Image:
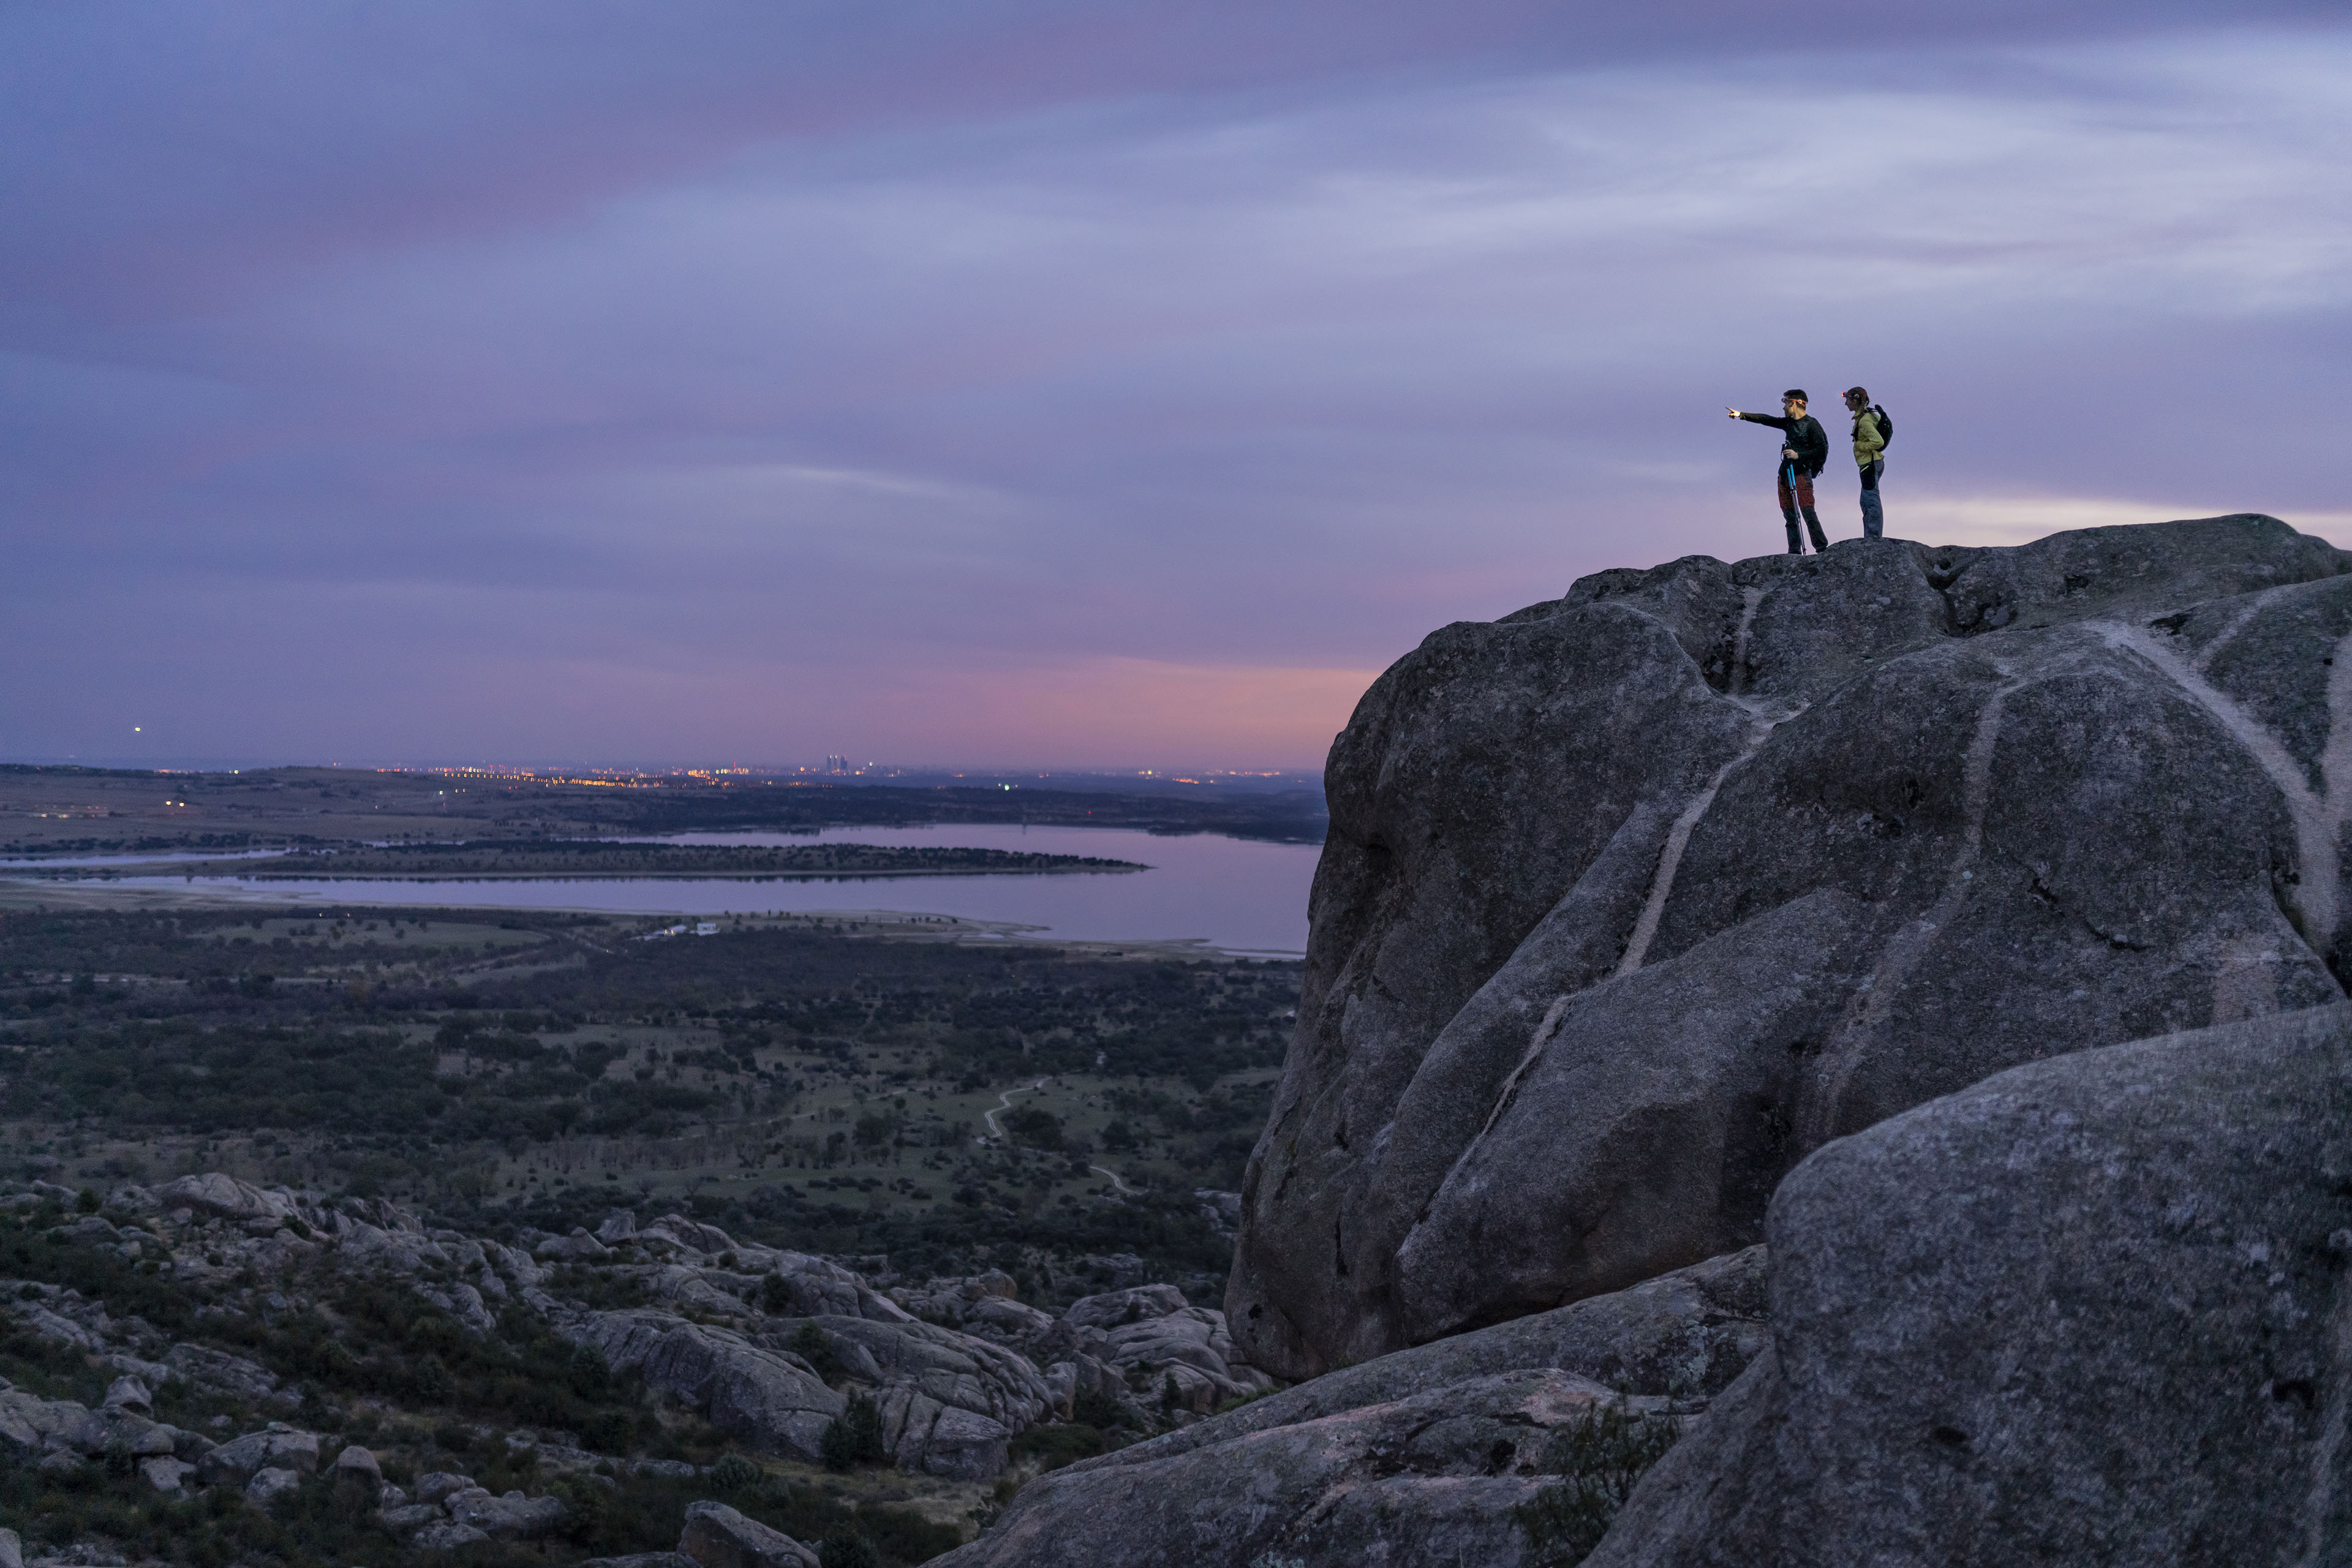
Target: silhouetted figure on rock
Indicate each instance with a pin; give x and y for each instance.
(1871, 429)
(1802, 454)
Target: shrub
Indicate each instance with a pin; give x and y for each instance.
(1033, 1128)
(1598, 1460)
(811, 1345)
(855, 1436)
(1058, 1443)
(609, 1431)
(592, 1375)
(734, 1473)
(428, 1379)
(847, 1549)
(1093, 1408)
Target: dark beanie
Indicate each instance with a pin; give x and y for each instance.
(1797, 392)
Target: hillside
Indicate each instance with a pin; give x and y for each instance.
(210, 1370)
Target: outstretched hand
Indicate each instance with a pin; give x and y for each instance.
(1733, 412)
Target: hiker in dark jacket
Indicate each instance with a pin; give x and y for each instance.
(1870, 456)
(1804, 453)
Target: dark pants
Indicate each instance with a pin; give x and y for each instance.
(1874, 516)
(1797, 493)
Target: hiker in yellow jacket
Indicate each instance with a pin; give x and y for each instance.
(1871, 429)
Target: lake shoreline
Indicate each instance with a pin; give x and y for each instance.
(120, 873)
(1230, 895)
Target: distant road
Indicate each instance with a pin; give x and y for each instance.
(1004, 1103)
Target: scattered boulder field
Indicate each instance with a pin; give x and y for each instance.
(771, 1348)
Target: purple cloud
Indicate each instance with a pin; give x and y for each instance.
(976, 382)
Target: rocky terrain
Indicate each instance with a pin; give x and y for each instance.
(1475, 1449)
(1634, 899)
(1829, 1061)
(1812, 1062)
(2095, 1309)
(313, 1356)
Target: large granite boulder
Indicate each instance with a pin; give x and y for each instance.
(984, 1304)
(218, 1371)
(61, 1425)
(279, 1446)
(2093, 1310)
(1147, 1337)
(717, 1536)
(1634, 898)
(37, 1425)
(771, 1401)
(512, 1517)
(949, 1403)
(225, 1197)
(1416, 1456)
(1436, 1479)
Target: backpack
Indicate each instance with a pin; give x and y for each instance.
(1886, 425)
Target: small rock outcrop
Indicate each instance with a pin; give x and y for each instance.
(447, 1536)
(358, 1475)
(717, 1536)
(773, 1403)
(509, 1517)
(1434, 1478)
(2094, 1310)
(220, 1372)
(949, 1403)
(165, 1475)
(1421, 1455)
(1634, 899)
(279, 1448)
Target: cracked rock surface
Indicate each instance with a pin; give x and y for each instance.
(2092, 1311)
(1418, 1456)
(1431, 1477)
(1634, 899)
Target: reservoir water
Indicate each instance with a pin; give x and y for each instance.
(1237, 895)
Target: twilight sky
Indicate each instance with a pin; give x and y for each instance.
(1106, 384)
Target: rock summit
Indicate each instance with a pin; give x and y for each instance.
(1635, 897)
